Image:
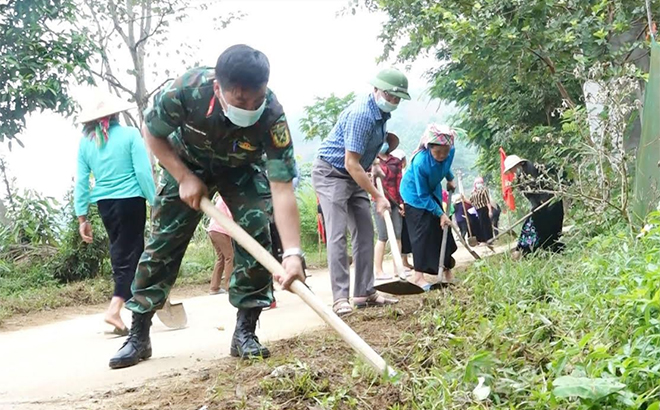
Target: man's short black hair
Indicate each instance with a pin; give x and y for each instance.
(242, 66)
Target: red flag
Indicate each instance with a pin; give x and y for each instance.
(507, 180)
(320, 225)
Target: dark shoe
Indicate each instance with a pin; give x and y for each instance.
(245, 344)
(138, 345)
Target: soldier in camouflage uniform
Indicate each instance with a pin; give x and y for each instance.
(210, 130)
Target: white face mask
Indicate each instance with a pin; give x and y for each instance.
(239, 116)
(385, 105)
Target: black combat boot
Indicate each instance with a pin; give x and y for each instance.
(245, 344)
(138, 345)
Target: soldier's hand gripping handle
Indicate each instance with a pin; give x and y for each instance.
(293, 267)
(192, 190)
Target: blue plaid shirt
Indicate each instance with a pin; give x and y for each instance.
(361, 128)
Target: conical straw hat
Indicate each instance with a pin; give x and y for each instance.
(101, 105)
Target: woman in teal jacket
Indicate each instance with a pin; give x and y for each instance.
(116, 157)
(421, 190)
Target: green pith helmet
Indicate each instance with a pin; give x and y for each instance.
(393, 81)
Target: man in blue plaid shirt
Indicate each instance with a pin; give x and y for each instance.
(339, 176)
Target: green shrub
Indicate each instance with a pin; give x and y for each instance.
(307, 207)
(77, 260)
(33, 220)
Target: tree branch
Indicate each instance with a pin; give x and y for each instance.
(115, 20)
(131, 21)
(114, 82)
(639, 36)
(143, 14)
(553, 71)
(3, 168)
(130, 120)
(155, 90)
(148, 35)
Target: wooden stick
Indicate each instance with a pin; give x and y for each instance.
(391, 235)
(465, 213)
(460, 237)
(445, 232)
(269, 262)
(519, 221)
(443, 247)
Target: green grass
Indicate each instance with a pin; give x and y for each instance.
(47, 294)
(580, 330)
(588, 315)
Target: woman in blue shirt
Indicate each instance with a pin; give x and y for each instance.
(116, 157)
(421, 190)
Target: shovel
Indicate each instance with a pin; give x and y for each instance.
(460, 238)
(443, 247)
(472, 240)
(268, 261)
(443, 252)
(396, 286)
(173, 315)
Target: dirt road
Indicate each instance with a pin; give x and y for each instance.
(45, 366)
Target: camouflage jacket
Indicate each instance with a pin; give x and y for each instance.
(187, 112)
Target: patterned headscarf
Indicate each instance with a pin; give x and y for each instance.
(97, 130)
(436, 134)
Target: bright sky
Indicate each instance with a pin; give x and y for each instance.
(312, 53)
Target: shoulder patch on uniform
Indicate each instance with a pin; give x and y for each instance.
(280, 135)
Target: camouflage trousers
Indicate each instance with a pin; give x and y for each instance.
(246, 192)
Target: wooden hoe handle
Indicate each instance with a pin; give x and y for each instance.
(269, 262)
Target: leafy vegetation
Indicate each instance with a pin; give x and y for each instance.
(510, 64)
(45, 265)
(34, 220)
(322, 116)
(40, 52)
(75, 259)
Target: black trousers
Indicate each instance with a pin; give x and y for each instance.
(463, 226)
(426, 239)
(485, 227)
(124, 220)
(497, 211)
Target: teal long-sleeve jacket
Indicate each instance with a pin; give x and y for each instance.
(121, 169)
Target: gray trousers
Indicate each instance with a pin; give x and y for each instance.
(345, 205)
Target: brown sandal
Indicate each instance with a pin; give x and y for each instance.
(375, 299)
(341, 307)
